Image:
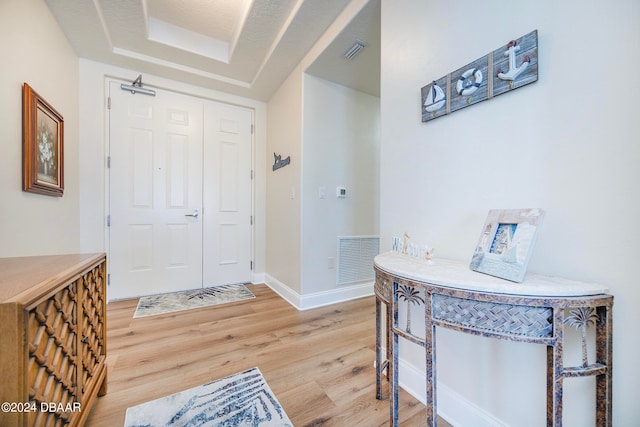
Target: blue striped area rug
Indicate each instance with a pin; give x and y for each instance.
(239, 400)
(177, 301)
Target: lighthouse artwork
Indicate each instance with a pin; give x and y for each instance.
(506, 243)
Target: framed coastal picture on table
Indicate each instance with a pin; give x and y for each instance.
(506, 243)
(42, 145)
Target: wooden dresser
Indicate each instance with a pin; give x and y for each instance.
(53, 338)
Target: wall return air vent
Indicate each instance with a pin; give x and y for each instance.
(355, 259)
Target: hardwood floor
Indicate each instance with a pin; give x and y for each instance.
(319, 363)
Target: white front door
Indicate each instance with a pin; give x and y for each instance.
(155, 192)
(227, 196)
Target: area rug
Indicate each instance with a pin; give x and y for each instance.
(242, 399)
(197, 298)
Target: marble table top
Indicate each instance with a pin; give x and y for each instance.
(458, 275)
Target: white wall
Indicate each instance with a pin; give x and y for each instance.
(285, 137)
(341, 146)
(34, 50)
(93, 131)
(283, 185)
(567, 143)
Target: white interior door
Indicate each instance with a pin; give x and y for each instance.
(155, 193)
(227, 196)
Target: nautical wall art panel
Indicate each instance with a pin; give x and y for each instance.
(507, 68)
(434, 99)
(468, 84)
(515, 64)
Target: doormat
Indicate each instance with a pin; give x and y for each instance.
(239, 400)
(177, 301)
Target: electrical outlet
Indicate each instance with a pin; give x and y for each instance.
(331, 263)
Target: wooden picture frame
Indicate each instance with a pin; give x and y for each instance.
(42, 145)
(506, 243)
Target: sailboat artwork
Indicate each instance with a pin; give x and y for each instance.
(435, 98)
(507, 68)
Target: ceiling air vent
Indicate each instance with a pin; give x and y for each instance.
(354, 50)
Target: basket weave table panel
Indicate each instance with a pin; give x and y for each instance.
(493, 317)
(382, 288)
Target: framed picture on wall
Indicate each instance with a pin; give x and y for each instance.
(42, 145)
(506, 243)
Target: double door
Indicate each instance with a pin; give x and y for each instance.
(180, 190)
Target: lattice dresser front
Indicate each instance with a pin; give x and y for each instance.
(53, 352)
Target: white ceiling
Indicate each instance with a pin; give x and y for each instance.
(244, 47)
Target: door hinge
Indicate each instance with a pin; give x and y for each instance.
(251, 220)
(251, 265)
(108, 162)
(109, 103)
(252, 129)
(251, 173)
(108, 220)
(108, 279)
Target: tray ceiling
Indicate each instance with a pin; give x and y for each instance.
(245, 47)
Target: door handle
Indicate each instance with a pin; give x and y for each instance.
(194, 214)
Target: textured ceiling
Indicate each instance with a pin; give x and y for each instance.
(245, 47)
(197, 15)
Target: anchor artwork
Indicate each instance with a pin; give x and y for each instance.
(507, 68)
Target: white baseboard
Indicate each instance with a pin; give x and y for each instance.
(318, 299)
(344, 293)
(258, 278)
(451, 406)
(283, 290)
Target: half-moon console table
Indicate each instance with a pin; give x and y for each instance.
(455, 297)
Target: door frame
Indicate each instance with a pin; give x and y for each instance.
(107, 171)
